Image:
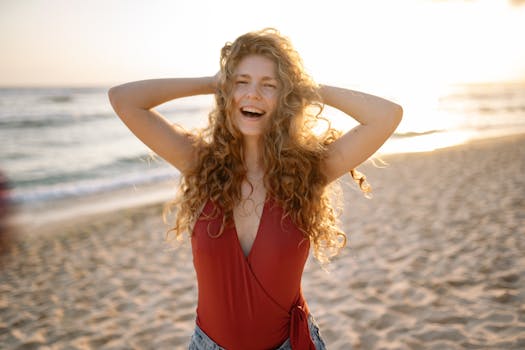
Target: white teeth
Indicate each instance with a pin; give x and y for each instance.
(252, 110)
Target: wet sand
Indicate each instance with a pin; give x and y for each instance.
(435, 260)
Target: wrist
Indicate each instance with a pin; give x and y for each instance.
(212, 82)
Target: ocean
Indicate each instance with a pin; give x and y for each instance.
(63, 143)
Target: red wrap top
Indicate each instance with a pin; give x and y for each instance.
(254, 301)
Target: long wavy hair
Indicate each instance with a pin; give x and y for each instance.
(292, 152)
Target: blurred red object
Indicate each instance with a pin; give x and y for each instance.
(5, 213)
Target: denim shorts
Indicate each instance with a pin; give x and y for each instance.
(200, 341)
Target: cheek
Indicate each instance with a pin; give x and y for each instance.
(237, 92)
(274, 102)
(236, 103)
(233, 105)
(235, 98)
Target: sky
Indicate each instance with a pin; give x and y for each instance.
(402, 43)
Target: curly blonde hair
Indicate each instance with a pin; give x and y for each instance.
(290, 148)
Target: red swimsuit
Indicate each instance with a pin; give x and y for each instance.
(254, 301)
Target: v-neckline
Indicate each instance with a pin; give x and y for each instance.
(257, 233)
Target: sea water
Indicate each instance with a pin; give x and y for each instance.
(60, 143)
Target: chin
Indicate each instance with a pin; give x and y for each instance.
(251, 128)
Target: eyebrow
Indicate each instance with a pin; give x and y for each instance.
(249, 77)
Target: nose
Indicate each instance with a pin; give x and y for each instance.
(253, 92)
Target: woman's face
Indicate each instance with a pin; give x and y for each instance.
(255, 94)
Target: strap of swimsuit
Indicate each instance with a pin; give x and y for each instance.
(300, 338)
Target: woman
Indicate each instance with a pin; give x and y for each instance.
(254, 185)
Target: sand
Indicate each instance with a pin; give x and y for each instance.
(436, 260)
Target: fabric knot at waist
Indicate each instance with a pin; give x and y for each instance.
(300, 338)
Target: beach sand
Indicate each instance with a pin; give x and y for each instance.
(435, 260)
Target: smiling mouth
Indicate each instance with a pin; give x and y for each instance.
(251, 112)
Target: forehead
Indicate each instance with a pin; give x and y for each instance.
(256, 66)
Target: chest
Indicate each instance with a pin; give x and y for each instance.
(247, 215)
(278, 245)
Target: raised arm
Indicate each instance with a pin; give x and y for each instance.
(377, 117)
(134, 103)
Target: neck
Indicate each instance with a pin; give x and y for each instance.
(253, 155)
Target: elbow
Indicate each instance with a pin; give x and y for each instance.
(392, 118)
(397, 115)
(113, 96)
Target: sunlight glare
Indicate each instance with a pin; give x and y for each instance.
(425, 143)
